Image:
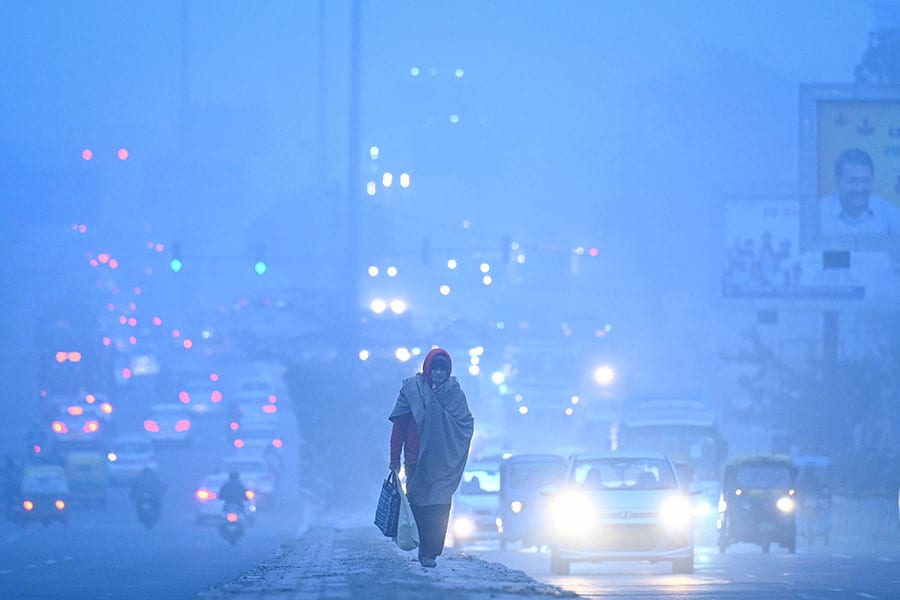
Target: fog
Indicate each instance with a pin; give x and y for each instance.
(528, 131)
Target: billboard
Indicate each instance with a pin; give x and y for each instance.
(850, 167)
(763, 258)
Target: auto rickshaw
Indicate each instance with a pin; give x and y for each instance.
(522, 506)
(758, 502)
(44, 496)
(87, 475)
(814, 498)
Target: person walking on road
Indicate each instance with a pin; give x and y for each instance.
(433, 427)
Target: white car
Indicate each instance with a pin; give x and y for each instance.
(621, 506)
(128, 456)
(476, 504)
(168, 423)
(209, 507)
(254, 472)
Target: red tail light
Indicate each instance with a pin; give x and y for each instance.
(151, 425)
(60, 427)
(91, 427)
(59, 504)
(277, 443)
(232, 517)
(28, 505)
(182, 425)
(216, 396)
(184, 397)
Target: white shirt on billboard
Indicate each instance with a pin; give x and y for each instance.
(881, 217)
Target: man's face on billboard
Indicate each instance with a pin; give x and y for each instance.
(854, 186)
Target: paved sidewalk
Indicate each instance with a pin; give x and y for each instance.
(358, 562)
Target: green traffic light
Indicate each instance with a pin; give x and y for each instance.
(260, 267)
(176, 265)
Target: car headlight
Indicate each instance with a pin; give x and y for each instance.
(676, 511)
(463, 527)
(572, 512)
(785, 504)
(515, 506)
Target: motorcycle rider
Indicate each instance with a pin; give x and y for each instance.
(233, 491)
(148, 486)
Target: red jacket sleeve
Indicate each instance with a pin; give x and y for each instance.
(405, 437)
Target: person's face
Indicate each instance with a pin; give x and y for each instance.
(439, 373)
(854, 186)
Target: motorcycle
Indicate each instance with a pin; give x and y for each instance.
(232, 526)
(148, 509)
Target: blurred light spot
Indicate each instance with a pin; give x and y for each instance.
(132, 340)
(604, 375)
(579, 250)
(404, 180)
(520, 258)
(370, 188)
(378, 306)
(466, 223)
(569, 411)
(106, 341)
(476, 351)
(391, 271)
(122, 154)
(113, 263)
(454, 119)
(593, 252)
(87, 154)
(364, 355)
(373, 271)
(176, 333)
(459, 73)
(157, 321)
(474, 370)
(475, 360)
(523, 410)
(402, 354)
(607, 328)
(398, 307)
(452, 264)
(103, 258)
(501, 325)
(414, 71)
(373, 152)
(487, 280)
(497, 377)
(574, 399)
(484, 267)
(444, 289)
(387, 179)
(187, 343)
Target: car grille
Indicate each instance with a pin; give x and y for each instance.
(626, 538)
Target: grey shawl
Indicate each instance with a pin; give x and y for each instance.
(445, 426)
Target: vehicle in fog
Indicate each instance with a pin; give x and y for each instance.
(77, 427)
(232, 521)
(687, 431)
(254, 473)
(207, 504)
(523, 509)
(168, 423)
(88, 477)
(476, 504)
(621, 506)
(758, 503)
(201, 395)
(44, 496)
(128, 456)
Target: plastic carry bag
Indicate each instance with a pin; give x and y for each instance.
(407, 532)
(388, 511)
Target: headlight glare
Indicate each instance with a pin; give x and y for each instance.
(572, 513)
(785, 504)
(676, 512)
(463, 527)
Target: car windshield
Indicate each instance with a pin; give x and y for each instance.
(763, 476)
(534, 475)
(479, 482)
(624, 474)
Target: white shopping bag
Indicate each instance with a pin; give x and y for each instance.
(407, 532)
